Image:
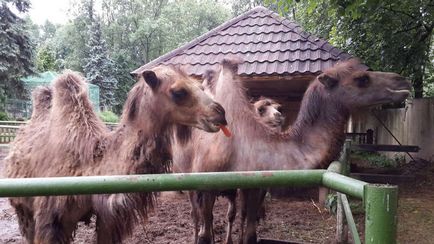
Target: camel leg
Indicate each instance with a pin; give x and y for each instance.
(253, 201)
(206, 205)
(52, 228)
(243, 202)
(104, 231)
(230, 216)
(25, 222)
(194, 213)
(56, 219)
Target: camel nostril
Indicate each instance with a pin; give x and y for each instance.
(218, 108)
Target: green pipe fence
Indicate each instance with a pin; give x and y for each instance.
(20, 187)
(380, 201)
(349, 217)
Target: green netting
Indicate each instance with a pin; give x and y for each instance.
(45, 79)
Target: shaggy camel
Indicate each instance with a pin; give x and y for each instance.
(65, 138)
(313, 141)
(270, 112)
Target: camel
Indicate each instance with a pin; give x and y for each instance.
(270, 112)
(313, 141)
(65, 138)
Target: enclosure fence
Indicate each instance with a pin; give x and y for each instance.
(379, 201)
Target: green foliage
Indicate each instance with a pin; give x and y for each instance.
(100, 68)
(16, 49)
(331, 203)
(376, 159)
(390, 35)
(125, 81)
(45, 59)
(108, 116)
(3, 116)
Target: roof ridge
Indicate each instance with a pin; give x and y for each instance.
(200, 38)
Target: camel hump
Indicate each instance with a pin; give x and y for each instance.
(70, 90)
(232, 63)
(69, 82)
(41, 97)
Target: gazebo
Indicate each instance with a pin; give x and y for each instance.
(280, 59)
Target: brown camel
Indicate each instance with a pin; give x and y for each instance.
(270, 112)
(65, 138)
(314, 140)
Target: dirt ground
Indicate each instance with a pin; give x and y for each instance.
(287, 219)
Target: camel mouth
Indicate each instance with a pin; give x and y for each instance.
(209, 126)
(399, 91)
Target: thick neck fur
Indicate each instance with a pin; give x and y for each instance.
(142, 137)
(313, 141)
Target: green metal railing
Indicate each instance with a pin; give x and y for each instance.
(380, 201)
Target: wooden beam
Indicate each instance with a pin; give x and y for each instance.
(385, 148)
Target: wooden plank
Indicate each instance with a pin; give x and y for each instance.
(274, 241)
(383, 178)
(385, 148)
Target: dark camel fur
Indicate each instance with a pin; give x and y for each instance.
(314, 140)
(65, 138)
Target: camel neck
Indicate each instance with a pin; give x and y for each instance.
(320, 126)
(313, 141)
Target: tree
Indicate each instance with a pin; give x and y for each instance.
(16, 48)
(45, 59)
(390, 35)
(183, 21)
(99, 68)
(141, 30)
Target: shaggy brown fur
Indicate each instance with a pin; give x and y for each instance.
(313, 141)
(66, 138)
(270, 112)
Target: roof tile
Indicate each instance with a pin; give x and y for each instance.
(268, 44)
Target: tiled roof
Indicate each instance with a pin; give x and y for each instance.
(268, 44)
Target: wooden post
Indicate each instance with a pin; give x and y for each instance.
(370, 136)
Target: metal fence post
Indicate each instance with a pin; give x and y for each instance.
(381, 202)
(341, 226)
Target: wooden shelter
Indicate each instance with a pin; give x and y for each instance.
(280, 59)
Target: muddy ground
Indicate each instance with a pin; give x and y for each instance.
(287, 219)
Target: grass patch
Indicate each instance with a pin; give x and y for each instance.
(377, 160)
(108, 116)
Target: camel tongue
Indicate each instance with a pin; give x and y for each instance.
(226, 131)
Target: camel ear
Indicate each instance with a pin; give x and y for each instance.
(151, 79)
(327, 81)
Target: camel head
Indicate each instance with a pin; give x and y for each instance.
(354, 86)
(181, 100)
(269, 111)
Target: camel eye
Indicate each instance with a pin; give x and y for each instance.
(179, 95)
(261, 111)
(362, 81)
(279, 109)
